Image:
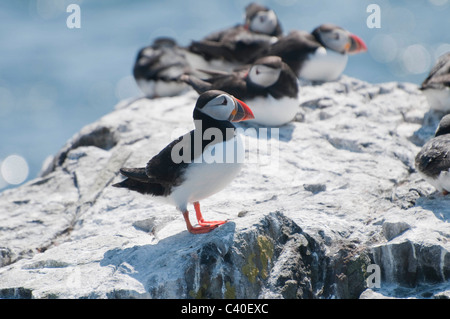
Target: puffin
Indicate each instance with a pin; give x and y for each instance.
(320, 55)
(433, 160)
(227, 49)
(196, 165)
(269, 85)
(158, 67)
(436, 86)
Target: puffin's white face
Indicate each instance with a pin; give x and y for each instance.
(220, 107)
(337, 39)
(225, 107)
(263, 75)
(264, 22)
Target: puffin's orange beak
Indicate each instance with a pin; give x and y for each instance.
(241, 112)
(357, 45)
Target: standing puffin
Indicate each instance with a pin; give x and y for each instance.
(436, 86)
(318, 56)
(193, 167)
(433, 160)
(158, 67)
(226, 49)
(269, 85)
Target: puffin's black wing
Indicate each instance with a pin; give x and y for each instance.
(287, 84)
(434, 157)
(162, 171)
(211, 50)
(233, 83)
(249, 45)
(437, 82)
(137, 181)
(168, 166)
(236, 45)
(146, 60)
(439, 76)
(219, 45)
(293, 48)
(152, 63)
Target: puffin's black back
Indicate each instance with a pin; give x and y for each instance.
(434, 156)
(439, 76)
(293, 48)
(152, 61)
(444, 126)
(235, 45)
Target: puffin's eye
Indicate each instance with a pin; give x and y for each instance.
(224, 102)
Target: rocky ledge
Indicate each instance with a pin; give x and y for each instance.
(338, 212)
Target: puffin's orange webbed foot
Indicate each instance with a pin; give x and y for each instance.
(203, 222)
(202, 229)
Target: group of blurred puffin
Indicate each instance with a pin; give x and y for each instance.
(252, 63)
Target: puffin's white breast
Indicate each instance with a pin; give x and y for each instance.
(272, 112)
(438, 100)
(210, 173)
(323, 65)
(441, 183)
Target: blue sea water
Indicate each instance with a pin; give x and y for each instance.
(54, 80)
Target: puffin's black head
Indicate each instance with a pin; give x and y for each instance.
(338, 39)
(444, 126)
(262, 20)
(266, 71)
(222, 106)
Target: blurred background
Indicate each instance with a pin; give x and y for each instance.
(55, 80)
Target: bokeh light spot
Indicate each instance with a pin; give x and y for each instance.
(14, 169)
(416, 59)
(442, 49)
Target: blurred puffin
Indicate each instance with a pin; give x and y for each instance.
(158, 67)
(318, 56)
(226, 49)
(269, 85)
(433, 160)
(436, 86)
(185, 171)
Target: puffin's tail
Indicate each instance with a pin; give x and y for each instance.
(137, 180)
